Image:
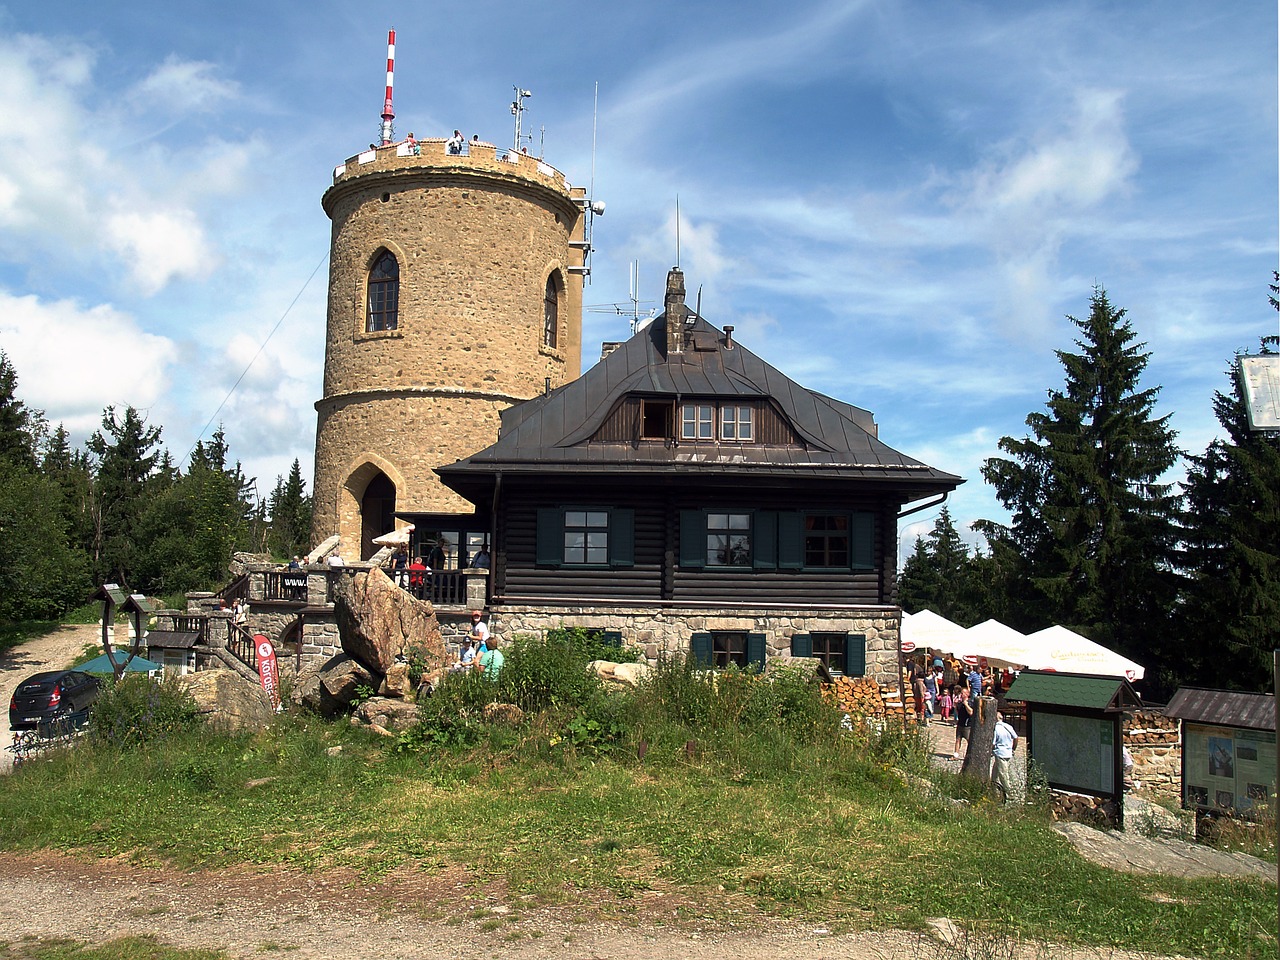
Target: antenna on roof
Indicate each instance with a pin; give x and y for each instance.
(517, 111)
(388, 114)
(677, 231)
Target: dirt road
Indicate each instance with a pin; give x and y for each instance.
(408, 915)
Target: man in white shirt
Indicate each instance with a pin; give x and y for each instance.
(1002, 747)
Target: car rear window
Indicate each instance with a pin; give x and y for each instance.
(36, 686)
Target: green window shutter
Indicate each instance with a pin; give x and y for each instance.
(700, 650)
(855, 655)
(790, 541)
(693, 539)
(622, 537)
(764, 540)
(755, 650)
(801, 645)
(864, 544)
(549, 551)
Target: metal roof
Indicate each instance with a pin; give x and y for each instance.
(1086, 690)
(550, 433)
(1224, 708)
(171, 639)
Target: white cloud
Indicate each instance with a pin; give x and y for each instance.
(184, 86)
(72, 361)
(89, 192)
(157, 247)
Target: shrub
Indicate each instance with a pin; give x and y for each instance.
(137, 709)
(550, 671)
(588, 645)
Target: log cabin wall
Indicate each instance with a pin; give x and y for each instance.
(655, 573)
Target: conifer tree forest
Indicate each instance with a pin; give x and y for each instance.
(120, 510)
(1182, 576)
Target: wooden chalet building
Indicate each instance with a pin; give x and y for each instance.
(691, 498)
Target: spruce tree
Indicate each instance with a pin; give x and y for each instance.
(125, 457)
(1092, 541)
(937, 575)
(1230, 619)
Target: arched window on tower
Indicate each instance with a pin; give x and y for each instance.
(384, 294)
(550, 312)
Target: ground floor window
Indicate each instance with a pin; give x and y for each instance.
(719, 649)
(842, 653)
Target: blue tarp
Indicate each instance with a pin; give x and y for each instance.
(102, 664)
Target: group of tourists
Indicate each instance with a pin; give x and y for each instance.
(947, 690)
(479, 650)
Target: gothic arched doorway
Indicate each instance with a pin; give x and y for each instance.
(377, 512)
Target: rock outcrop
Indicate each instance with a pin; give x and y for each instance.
(229, 701)
(331, 688)
(391, 715)
(378, 622)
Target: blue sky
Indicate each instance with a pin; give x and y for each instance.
(896, 203)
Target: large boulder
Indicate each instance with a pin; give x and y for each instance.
(333, 686)
(619, 674)
(378, 622)
(392, 715)
(228, 700)
(396, 682)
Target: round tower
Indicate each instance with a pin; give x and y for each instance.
(455, 290)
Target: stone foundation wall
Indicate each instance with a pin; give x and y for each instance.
(659, 632)
(1155, 745)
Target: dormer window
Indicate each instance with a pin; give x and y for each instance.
(735, 423)
(655, 419)
(698, 421)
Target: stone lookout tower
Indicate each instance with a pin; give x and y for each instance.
(455, 290)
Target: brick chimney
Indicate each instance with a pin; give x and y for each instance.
(676, 311)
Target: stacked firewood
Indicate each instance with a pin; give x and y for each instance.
(863, 697)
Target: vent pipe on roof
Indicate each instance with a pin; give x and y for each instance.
(546, 386)
(675, 311)
(728, 338)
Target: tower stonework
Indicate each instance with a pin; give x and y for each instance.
(484, 309)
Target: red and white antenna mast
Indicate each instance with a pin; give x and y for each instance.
(388, 114)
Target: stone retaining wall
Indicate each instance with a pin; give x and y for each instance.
(664, 632)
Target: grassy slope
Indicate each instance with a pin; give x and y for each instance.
(817, 835)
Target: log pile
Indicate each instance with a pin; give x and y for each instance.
(863, 697)
(1094, 811)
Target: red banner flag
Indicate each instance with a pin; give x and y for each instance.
(268, 671)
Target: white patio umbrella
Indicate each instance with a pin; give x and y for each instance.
(1058, 648)
(396, 538)
(926, 630)
(997, 641)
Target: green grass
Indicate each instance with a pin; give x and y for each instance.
(749, 803)
(829, 835)
(125, 948)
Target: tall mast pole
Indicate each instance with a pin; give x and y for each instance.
(388, 114)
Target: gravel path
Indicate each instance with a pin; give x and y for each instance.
(332, 916)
